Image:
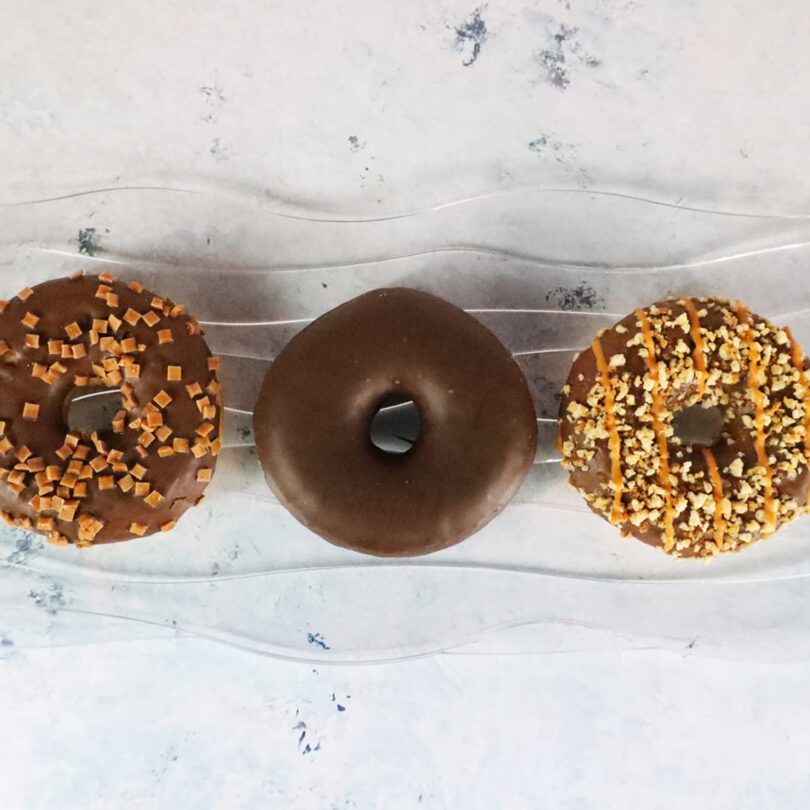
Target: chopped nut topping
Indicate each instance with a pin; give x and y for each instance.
(138, 528)
(168, 525)
(174, 373)
(204, 474)
(165, 336)
(213, 363)
(106, 482)
(30, 320)
(151, 319)
(25, 294)
(32, 341)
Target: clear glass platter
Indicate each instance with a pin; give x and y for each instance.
(544, 269)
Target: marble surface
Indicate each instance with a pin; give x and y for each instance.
(373, 109)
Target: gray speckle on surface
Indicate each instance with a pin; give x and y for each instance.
(581, 297)
(355, 144)
(88, 241)
(554, 60)
(471, 36)
(50, 599)
(25, 548)
(5, 641)
(318, 640)
(546, 145)
(218, 151)
(212, 91)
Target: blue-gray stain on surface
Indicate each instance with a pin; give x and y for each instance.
(212, 91)
(51, 599)
(547, 146)
(554, 60)
(5, 641)
(318, 640)
(307, 747)
(217, 150)
(24, 550)
(571, 299)
(88, 243)
(471, 36)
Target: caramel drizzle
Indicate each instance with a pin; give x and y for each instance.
(614, 440)
(657, 409)
(798, 361)
(700, 346)
(717, 486)
(757, 396)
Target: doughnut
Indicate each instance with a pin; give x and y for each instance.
(139, 475)
(619, 436)
(478, 427)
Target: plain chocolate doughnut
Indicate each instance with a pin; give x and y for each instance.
(478, 428)
(624, 455)
(142, 474)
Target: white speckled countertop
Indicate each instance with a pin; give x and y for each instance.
(372, 109)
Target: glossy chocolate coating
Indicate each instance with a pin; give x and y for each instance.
(478, 428)
(173, 475)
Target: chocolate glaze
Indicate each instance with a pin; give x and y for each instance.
(63, 302)
(478, 428)
(737, 440)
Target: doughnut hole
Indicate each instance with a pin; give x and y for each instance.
(91, 408)
(698, 425)
(395, 424)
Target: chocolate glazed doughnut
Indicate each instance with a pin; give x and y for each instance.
(139, 476)
(478, 428)
(624, 455)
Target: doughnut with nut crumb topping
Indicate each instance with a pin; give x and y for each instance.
(628, 395)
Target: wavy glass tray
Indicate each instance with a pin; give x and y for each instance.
(544, 269)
